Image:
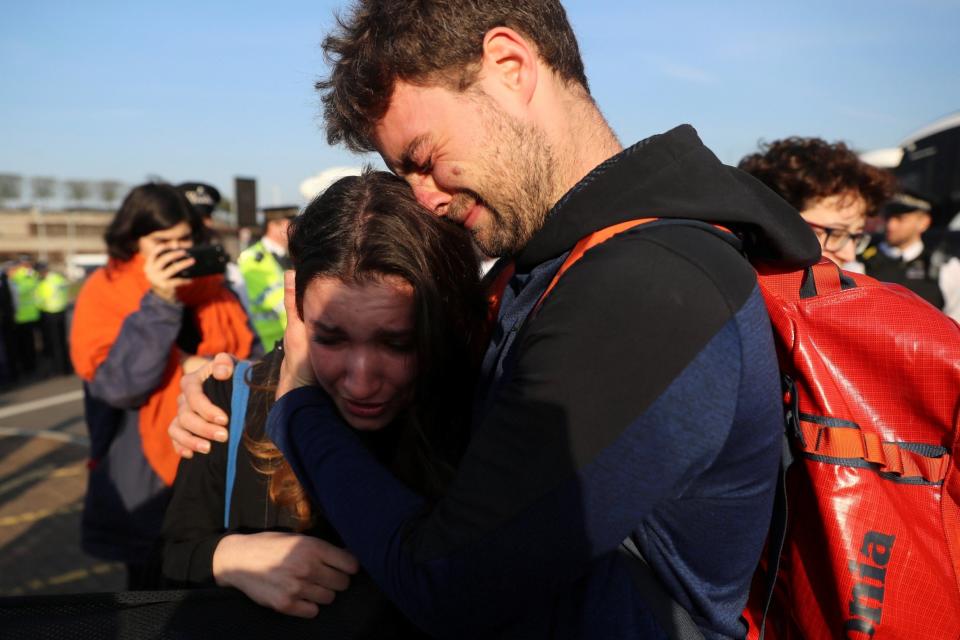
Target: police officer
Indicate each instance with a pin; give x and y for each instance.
(26, 318)
(262, 265)
(904, 259)
(203, 197)
(53, 298)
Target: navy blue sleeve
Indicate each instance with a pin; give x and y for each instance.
(137, 360)
(320, 448)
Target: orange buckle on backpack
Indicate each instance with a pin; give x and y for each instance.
(891, 457)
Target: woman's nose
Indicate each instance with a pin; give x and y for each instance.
(360, 381)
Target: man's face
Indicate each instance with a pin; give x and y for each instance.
(470, 161)
(906, 228)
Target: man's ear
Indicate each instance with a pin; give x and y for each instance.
(925, 221)
(509, 64)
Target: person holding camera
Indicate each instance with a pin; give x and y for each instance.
(139, 322)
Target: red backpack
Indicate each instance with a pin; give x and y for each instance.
(872, 548)
(872, 392)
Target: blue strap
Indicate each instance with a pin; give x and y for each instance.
(238, 411)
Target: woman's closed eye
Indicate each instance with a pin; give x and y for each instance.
(401, 345)
(329, 340)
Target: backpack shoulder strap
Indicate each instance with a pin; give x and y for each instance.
(602, 235)
(585, 244)
(238, 411)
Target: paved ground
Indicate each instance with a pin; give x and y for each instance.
(43, 449)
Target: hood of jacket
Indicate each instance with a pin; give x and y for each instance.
(673, 175)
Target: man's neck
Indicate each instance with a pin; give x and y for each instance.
(580, 137)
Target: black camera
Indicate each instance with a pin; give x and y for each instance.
(211, 259)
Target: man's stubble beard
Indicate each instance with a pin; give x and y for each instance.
(517, 187)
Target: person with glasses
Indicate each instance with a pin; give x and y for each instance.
(834, 191)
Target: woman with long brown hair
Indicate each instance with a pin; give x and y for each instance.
(393, 307)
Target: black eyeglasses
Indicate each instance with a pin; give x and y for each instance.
(837, 239)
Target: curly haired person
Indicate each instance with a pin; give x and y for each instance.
(829, 185)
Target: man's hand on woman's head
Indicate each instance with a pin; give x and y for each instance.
(198, 421)
(296, 370)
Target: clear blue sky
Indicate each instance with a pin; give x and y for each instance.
(210, 90)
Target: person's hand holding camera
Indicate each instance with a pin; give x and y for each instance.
(162, 268)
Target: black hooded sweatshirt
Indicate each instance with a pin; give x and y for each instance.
(642, 399)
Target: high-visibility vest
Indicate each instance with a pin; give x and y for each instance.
(25, 283)
(53, 293)
(263, 276)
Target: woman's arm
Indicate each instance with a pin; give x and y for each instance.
(288, 572)
(138, 359)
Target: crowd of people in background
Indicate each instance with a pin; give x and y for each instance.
(34, 304)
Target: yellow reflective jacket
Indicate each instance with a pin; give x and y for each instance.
(25, 281)
(53, 293)
(263, 276)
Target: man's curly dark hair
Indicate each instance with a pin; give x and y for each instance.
(426, 41)
(803, 170)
